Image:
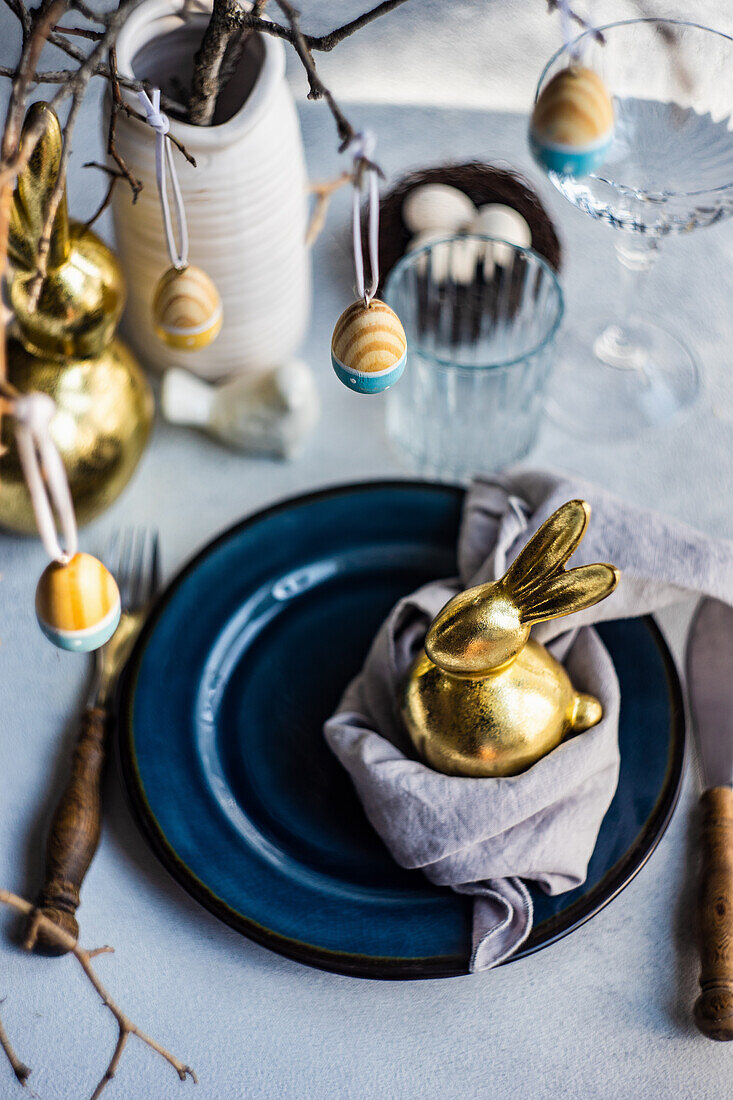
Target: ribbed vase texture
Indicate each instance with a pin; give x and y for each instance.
(246, 211)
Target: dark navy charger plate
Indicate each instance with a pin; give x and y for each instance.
(247, 653)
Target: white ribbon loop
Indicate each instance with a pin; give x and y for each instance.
(164, 160)
(362, 147)
(44, 473)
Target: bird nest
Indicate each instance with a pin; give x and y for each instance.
(483, 183)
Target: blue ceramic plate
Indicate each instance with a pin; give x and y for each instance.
(248, 652)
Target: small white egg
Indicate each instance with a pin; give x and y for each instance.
(464, 257)
(454, 259)
(497, 220)
(438, 258)
(437, 206)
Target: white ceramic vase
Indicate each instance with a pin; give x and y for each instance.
(245, 201)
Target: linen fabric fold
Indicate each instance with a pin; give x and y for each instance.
(487, 837)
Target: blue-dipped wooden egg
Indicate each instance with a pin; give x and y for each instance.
(369, 347)
(571, 128)
(78, 603)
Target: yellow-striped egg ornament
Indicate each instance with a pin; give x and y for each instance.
(369, 347)
(187, 310)
(571, 128)
(78, 603)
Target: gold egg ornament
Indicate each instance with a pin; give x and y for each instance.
(187, 309)
(571, 129)
(369, 347)
(78, 603)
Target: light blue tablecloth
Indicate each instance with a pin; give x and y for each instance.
(605, 1012)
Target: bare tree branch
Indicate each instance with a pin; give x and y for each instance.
(554, 5)
(20, 1069)
(229, 23)
(20, 11)
(125, 1025)
(207, 64)
(325, 42)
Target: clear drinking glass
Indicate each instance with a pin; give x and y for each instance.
(480, 317)
(669, 170)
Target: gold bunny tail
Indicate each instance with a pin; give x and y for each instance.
(586, 713)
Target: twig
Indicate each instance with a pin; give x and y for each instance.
(325, 42)
(237, 45)
(554, 5)
(112, 151)
(206, 82)
(20, 1069)
(322, 43)
(323, 192)
(80, 32)
(316, 88)
(89, 13)
(20, 11)
(124, 1024)
(56, 38)
(114, 179)
(230, 19)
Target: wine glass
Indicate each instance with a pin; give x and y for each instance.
(669, 170)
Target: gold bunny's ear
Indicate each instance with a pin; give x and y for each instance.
(33, 192)
(569, 591)
(537, 580)
(548, 550)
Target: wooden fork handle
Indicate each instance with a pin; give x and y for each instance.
(73, 835)
(714, 1006)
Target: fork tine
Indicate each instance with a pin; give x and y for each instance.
(125, 568)
(133, 557)
(138, 568)
(154, 577)
(112, 551)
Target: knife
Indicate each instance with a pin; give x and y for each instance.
(710, 686)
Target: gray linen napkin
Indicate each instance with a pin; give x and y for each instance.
(484, 836)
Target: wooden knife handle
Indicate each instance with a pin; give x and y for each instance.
(714, 1006)
(73, 836)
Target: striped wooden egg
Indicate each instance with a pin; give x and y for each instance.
(572, 123)
(78, 603)
(369, 347)
(187, 311)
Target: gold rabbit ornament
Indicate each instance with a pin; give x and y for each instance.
(483, 698)
(62, 342)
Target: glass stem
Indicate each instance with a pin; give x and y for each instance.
(615, 346)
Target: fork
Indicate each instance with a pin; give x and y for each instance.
(132, 557)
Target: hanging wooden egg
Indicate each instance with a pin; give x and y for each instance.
(572, 123)
(187, 310)
(78, 603)
(369, 347)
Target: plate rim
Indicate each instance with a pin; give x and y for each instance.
(353, 964)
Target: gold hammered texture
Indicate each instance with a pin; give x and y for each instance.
(483, 699)
(64, 345)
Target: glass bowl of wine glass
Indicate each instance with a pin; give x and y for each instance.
(669, 170)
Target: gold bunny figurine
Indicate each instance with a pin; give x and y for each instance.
(63, 343)
(483, 698)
